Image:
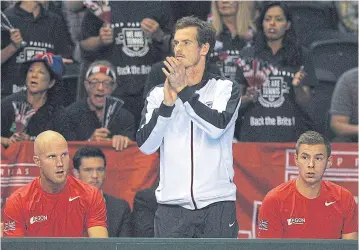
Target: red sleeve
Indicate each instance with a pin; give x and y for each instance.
(14, 223)
(96, 215)
(350, 213)
(269, 221)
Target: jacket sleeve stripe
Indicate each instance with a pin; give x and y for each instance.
(214, 120)
(154, 120)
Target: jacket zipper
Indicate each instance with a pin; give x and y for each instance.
(192, 167)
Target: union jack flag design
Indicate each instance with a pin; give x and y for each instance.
(23, 113)
(256, 71)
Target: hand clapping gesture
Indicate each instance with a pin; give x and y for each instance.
(176, 73)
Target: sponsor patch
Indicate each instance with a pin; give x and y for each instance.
(297, 221)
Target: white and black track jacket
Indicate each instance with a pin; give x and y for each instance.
(195, 138)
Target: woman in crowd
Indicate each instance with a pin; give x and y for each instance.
(234, 27)
(276, 77)
(27, 113)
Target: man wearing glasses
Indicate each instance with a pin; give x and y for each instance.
(85, 117)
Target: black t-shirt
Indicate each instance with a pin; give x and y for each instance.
(275, 117)
(83, 122)
(226, 52)
(45, 33)
(48, 117)
(132, 53)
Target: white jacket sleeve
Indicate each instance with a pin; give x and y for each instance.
(155, 118)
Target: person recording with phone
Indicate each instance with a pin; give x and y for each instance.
(278, 75)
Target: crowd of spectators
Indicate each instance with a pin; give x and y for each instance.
(139, 35)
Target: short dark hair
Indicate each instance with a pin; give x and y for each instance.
(87, 153)
(205, 32)
(313, 138)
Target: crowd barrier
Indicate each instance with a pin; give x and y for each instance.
(173, 244)
(259, 167)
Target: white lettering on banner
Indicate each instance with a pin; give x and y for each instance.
(271, 121)
(339, 161)
(12, 172)
(133, 70)
(343, 170)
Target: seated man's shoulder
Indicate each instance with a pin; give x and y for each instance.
(146, 196)
(25, 192)
(281, 192)
(81, 188)
(117, 202)
(336, 191)
(76, 107)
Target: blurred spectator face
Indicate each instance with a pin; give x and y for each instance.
(93, 171)
(38, 78)
(98, 86)
(312, 161)
(275, 24)
(227, 8)
(186, 47)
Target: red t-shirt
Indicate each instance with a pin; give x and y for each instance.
(285, 213)
(31, 212)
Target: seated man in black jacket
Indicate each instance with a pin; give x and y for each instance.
(86, 116)
(90, 167)
(143, 214)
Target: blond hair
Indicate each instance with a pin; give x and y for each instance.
(243, 19)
